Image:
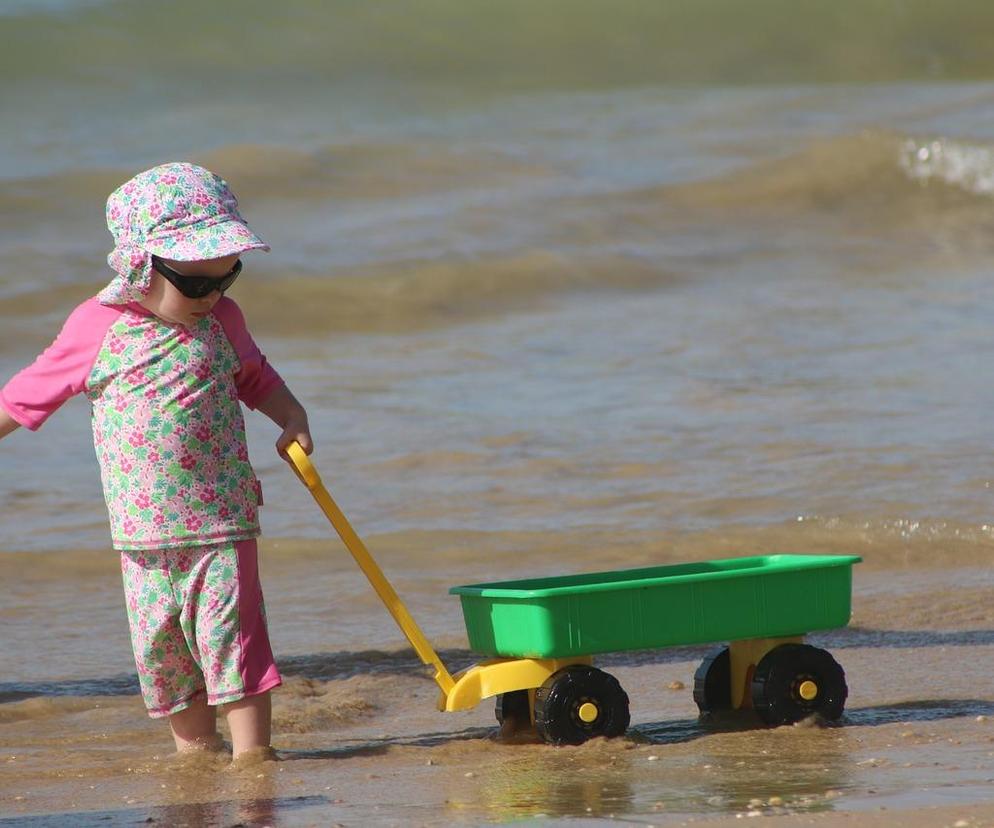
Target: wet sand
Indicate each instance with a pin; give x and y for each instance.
(359, 741)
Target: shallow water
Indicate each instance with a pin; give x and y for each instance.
(360, 740)
(556, 313)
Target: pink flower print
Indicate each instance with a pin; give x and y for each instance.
(126, 465)
(121, 404)
(202, 372)
(223, 511)
(193, 524)
(208, 495)
(128, 527)
(242, 452)
(202, 432)
(188, 461)
(155, 210)
(168, 178)
(142, 501)
(136, 438)
(158, 519)
(150, 393)
(202, 199)
(153, 456)
(116, 346)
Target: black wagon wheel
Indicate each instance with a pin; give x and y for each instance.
(578, 703)
(793, 681)
(713, 682)
(512, 711)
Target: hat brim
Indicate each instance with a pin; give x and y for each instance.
(203, 241)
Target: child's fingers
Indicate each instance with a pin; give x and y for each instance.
(304, 438)
(287, 437)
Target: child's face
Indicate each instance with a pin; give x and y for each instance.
(166, 302)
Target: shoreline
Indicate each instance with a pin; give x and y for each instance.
(361, 741)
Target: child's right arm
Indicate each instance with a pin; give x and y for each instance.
(34, 393)
(7, 424)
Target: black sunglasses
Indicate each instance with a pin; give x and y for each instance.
(197, 287)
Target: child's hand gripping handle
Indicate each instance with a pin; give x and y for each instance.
(303, 467)
(312, 480)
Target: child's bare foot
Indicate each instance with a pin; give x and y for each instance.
(254, 756)
(209, 744)
(200, 756)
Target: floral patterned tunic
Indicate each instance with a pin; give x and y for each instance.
(167, 425)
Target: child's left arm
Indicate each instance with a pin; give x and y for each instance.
(286, 411)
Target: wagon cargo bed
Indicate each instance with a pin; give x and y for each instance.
(691, 603)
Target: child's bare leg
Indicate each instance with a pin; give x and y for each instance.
(195, 728)
(250, 720)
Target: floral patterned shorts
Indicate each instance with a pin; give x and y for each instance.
(197, 624)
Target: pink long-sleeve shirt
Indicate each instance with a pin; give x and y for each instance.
(167, 424)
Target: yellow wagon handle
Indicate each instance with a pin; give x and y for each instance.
(311, 479)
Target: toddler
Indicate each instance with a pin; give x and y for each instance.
(164, 358)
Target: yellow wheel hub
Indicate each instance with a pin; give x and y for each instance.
(807, 690)
(587, 712)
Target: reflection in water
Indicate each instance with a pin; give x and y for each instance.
(593, 780)
(209, 791)
(694, 771)
(250, 813)
(247, 813)
(731, 762)
(802, 771)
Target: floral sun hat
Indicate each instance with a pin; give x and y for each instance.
(177, 211)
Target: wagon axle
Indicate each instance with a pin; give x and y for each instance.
(783, 680)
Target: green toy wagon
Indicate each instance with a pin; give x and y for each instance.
(540, 635)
